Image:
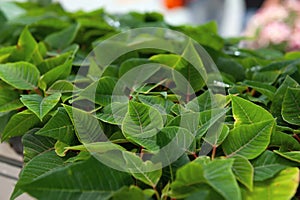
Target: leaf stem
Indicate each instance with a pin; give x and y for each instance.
(296, 137)
(156, 193)
(213, 154)
(38, 91)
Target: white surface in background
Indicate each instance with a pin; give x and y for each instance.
(231, 24)
(174, 16)
(7, 185)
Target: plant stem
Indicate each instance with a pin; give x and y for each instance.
(156, 192)
(213, 154)
(37, 90)
(296, 137)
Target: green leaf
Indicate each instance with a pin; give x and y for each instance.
(59, 127)
(52, 62)
(113, 113)
(104, 181)
(35, 145)
(57, 73)
(291, 106)
(141, 170)
(61, 86)
(87, 127)
(280, 93)
(141, 123)
(39, 105)
(178, 63)
(100, 91)
(285, 141)
(132, 193)
(210, 118)
(19, 124)
(9, 100)
(60, 148)
(243, 171)
(129, 64)
(249, 140)
(292, 155)
(246, 112)
(219, 134)
(36, 168)
(262, 88)
(206, 34)
(206, 101)
(21, 75)
(63, 38)
(27, 49)
(282, 187)
(195, 176)
(267, 165)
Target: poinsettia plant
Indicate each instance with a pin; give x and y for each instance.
(91, 131)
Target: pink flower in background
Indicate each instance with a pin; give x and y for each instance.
(294, 42)
(274, 12)
(275, 32)
(293, 5)
(276, 25)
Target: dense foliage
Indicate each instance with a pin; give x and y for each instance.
(254, 152)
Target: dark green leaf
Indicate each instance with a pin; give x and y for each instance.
(19, 124)
(291, 106)
(104, 181)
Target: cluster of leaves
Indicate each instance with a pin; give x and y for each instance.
(255, 150)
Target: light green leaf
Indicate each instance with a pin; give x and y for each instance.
(291, 106)
(292, 155)
(249, 140)
(104, 181)
(246, 112)
(141, 123)
(282, 187)
(268, 165)
(21, 75)
(195, 177)
(39, 105)
(60, 148)
(141, 170)
(97, 147)
(61, 86)
(243, 171)
(59, 127)
(19, 124)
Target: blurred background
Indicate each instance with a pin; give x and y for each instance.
(229, 14)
